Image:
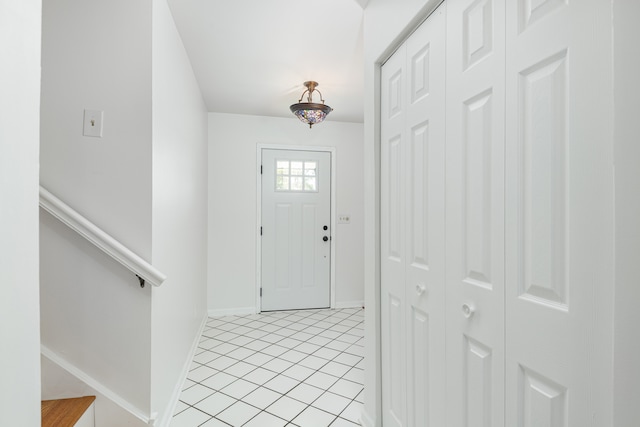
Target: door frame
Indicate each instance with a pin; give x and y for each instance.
(332, 213)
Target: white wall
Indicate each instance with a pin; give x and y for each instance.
(144, 182)
(233, 143)
(94, 314)
(627, 204)
(179, 211)
(386, 24)
(97, 55)
(19, 137)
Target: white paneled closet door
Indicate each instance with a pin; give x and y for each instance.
(412, 227)
(475, 280)
(557, 162)
(497, 237)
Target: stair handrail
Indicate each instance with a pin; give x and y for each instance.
(102, 240)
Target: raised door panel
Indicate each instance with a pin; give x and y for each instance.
(309, 249)
(541, 402)
(418, 176)
(394, 180)
(283, 223)
(395, 378)
(477, 403)
(477, 32)
(477, 196)
(532, 11)
(420, 365)
(475, 213)
(392, 228)
(543, 176)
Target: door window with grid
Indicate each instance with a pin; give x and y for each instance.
(297, 175)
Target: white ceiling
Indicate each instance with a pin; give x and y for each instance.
(252, 56)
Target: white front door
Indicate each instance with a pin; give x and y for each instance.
(296, 229)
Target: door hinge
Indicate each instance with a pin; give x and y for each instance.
(260, 291)
(261, 231)
(260, 169)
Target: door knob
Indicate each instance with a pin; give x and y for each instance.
(325, 238)
(420, 288)
(468, 310)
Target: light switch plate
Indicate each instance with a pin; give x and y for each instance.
(344, 219)
(92, 123)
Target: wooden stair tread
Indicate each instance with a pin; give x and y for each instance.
(64, 412)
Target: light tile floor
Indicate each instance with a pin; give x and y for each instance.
(289, 368)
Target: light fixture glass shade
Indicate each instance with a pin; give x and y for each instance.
(310, 112)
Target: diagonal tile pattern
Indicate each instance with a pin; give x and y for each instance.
(288, 368)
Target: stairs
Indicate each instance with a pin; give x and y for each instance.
(67, 412)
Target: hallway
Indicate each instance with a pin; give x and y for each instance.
(291, 368)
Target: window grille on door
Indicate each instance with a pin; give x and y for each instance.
(297, 175)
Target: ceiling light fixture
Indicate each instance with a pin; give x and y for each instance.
(310, 112)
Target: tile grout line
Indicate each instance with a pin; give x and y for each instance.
(222, 326)
(293, 348)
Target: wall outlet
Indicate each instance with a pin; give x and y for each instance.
(344, 219)
(92, 123)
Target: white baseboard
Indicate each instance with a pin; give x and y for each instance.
(349, 304)
(244, 311)
(240, 311)
(365, 419)
(165, 419)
